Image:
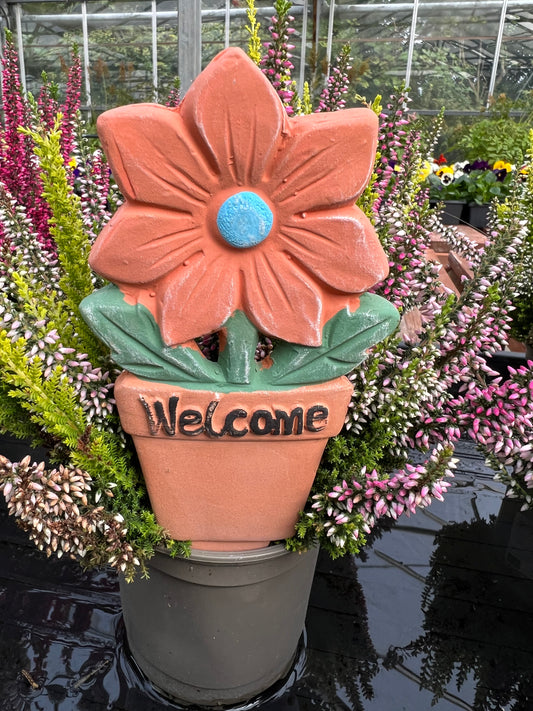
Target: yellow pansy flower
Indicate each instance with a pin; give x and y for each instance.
(425, 171)
(445, 174)
(502, 165)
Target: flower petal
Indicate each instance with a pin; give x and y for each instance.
(281, 302)
(196, 299)
(327, 160)
(153, 157)
(139, 245)
(355, 258)
(237, 115)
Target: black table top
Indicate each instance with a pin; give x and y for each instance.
(439, 608)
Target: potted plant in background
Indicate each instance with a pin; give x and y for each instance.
(467, 189)
(498, 134)
(88, 499)
(481, 185)
(445, 186)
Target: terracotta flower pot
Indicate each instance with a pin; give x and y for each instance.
(229, 471)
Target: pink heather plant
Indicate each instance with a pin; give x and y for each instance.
(70, 108)
(47, 103)
(403, 407)
(19, 171)
(499, 417)
(19, 168)
(276, 61)
(372, 496)
(333, 96)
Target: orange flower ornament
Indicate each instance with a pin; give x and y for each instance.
(231, 206)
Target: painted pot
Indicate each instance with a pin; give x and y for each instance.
(229, 471)
(219, 627)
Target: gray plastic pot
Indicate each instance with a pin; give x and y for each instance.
(218, 628)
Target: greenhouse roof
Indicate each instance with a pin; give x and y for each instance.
(452, 53)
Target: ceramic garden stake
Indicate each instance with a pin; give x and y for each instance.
(241, 221)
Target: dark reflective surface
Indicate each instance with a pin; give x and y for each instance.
(439, 609)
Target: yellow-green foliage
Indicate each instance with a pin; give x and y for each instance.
(369, 196)
(254, 43)
(66, 227)
(306, 106)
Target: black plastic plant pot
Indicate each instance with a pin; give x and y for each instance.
(452, 212)
(218, 628)
(477, 216)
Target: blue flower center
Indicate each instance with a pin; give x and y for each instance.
(244, 220)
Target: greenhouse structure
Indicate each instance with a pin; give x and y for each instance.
(452, 53)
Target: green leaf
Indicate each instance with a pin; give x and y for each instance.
(346, 338)
(135, 341)
(238, 342)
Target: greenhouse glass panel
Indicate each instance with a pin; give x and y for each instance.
(379, 36)
(167, 49)
(453, 54)
(120, 54)
(127, 48)
(217, 26)
(514, 77)
(49, 30)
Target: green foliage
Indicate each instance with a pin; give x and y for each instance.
(482, 186)
(306, 104)
(478, 186)
(499, 133)
(13, 418)
(368, 197)
(51, 403)
(494, 139)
